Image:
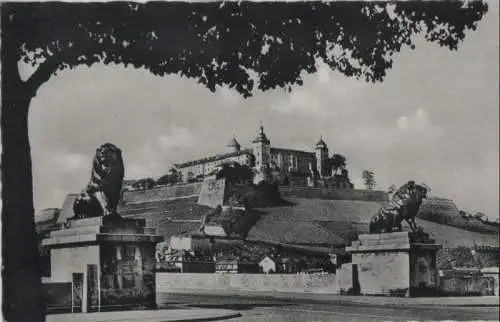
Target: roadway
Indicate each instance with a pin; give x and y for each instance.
(258, 309)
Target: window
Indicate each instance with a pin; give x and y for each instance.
(129, 252)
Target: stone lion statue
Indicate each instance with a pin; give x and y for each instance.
(405, 204)
(103, 192)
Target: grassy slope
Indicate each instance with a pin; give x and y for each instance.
(312, 221)
(306, 222)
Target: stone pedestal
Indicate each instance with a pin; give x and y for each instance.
(109, 263)
(396, 264)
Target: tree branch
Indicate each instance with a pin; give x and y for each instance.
(42, 74)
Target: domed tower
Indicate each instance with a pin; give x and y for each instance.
(322, 157)
(262, 153)
(233, 145)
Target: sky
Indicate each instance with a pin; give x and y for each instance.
(434, 119)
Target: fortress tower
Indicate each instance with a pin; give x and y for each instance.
(322, 157)
(262, 153)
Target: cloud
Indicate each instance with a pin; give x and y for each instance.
(154, 158)
(403, 133)
(326, 93)
(177, 137)
(69, 162)
(418, 123)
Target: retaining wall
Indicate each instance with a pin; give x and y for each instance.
(467, 285)
(333, 193)
(163, 193)
(307, 283)
(194, 189)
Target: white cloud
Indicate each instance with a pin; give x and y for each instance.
(419, 123)
(326, 93)
(69, 162)
(156, 155)
(230, 98)
(176, 138)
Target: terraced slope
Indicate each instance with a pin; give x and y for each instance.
(321, 222)
(304, 222)
(169, 217)
(314, 221)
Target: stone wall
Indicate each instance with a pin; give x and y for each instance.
(163, 193)
(467, 285)
(212, 193)
(333, 193)
(182, 282)
(194, 189)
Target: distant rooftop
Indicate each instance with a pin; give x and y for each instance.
(213, 158)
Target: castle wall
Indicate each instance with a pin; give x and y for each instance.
(333, 193)
(194, 189)
(163, 193)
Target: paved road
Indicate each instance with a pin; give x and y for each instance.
(254, 310)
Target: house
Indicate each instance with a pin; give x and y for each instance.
(267, 265)
(184, 262)
(234, 264)
(286, 265)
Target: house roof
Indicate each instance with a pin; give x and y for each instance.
(213, 158)
(321, 143)
(261, 137)
(233, 143)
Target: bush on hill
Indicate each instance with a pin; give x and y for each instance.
(235, 222)
(264, 194)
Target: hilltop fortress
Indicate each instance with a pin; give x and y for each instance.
(263, 159)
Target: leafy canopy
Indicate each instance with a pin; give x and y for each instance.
(242, 44)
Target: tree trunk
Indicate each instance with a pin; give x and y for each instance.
(21, 265)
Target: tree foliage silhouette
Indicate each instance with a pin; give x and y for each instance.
(369, 179)
(246, 46)
(337, 162)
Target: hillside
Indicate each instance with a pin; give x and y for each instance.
(444, 211)
(169, 217)
(321, 222)
(301, 222)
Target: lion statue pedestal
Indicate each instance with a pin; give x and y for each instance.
(395, 264)
(107, 261)
(109, 264)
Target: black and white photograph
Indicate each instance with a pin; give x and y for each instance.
(246, 161)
